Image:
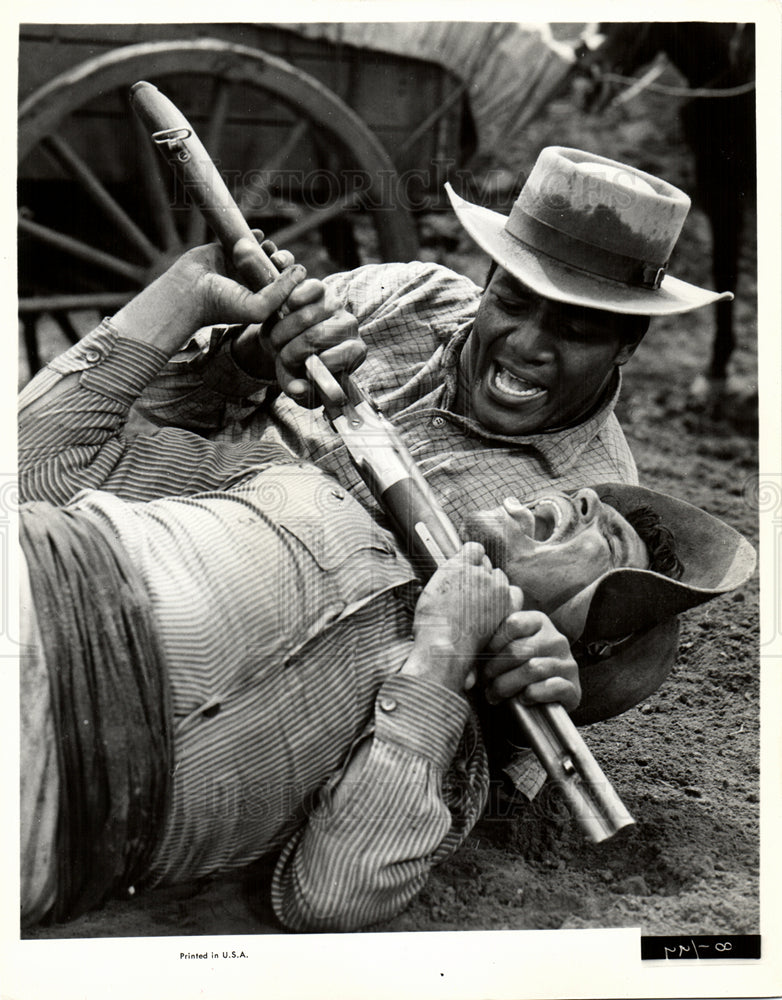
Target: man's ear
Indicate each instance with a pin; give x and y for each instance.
(631, 339)
(626, 351)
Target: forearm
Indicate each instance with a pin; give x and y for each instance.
(164, 315)
(203, 388)
(72, 414)
(72, 437)
(392, 813)
(220, 382)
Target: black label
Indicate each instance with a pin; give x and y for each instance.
(682, 946)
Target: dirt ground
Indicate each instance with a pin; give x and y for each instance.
(686, 761)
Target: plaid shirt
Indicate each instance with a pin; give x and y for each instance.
(415, 319)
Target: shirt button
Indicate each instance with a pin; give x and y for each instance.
(438, 421)
(387, 703)
(92, 356)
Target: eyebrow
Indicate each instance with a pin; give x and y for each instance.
(512, 286)
(591, 318)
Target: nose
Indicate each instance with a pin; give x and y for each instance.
(531, 341)
(587, 504)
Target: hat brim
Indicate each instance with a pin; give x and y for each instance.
(717, 559)
(627, 677)
(553, 280)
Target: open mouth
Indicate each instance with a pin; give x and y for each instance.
(545, 523)
(541, 521)
(550, 521)
(510, 386)
(547, 517)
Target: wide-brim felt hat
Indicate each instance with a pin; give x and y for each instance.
(632, 613)
(628, 674)
(591, 232)
(715, 557)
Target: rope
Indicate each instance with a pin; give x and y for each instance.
(110, 701)
(660, 88)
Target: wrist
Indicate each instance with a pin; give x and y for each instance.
(165, 314)
(251, 355)
(439, 662)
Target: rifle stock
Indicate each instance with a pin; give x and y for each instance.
(383, 461)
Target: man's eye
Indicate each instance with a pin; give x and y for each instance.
(513, 306)
(616, 550)
(573, 332)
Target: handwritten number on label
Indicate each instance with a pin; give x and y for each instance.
(721, 946)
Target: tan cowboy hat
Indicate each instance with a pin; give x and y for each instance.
(591, 232)
(631, 629)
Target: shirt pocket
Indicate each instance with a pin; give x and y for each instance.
(334, 539)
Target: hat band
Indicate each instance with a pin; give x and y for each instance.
(570, 250)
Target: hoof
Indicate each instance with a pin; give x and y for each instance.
(706, 394)
(734, 400)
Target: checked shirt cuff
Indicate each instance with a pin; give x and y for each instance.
(223, 375)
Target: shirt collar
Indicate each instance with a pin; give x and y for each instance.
(560, 448)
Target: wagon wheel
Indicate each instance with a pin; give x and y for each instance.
(100, 216)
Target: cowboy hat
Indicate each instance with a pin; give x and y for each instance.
(591, 232)
(630, 632)
(627, 673)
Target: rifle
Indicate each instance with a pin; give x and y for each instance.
(382, 460)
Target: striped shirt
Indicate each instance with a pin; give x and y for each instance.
(415, 319)
(284, 613)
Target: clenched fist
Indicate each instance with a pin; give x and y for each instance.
(457, 613)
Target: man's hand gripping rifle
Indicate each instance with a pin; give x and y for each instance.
(382, 460)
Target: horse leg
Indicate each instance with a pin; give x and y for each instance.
(726, 231)
(708, 391)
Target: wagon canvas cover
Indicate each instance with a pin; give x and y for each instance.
(511, 70)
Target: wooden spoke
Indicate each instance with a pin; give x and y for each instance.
(256, 193)
(218, 115)
(63, 318)
(30, 332)
(67, 157)
(402, 154)
(76, 248)
(59, 303)
(314, 219)
(279, 157)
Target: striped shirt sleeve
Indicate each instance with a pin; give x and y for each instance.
(406, 799)
(73, 431)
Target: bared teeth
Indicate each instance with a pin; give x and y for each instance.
(513, 386)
